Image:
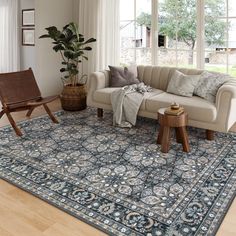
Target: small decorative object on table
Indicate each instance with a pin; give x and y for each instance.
(174, 109)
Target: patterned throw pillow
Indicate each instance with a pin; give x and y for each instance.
(122, 76)
(209, 84)
(181, 84)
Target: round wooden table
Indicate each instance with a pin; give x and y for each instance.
(167, 122)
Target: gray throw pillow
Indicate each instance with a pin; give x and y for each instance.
(209, 84)
(122, 76)
(181, 84)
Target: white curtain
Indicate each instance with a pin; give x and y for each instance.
(9, 37)
(99, 19)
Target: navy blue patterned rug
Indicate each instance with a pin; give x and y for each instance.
(117, 179)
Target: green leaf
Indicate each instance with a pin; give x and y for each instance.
(58, 48)
(53, 32)
(74, 29)
(63, 70)
(78, 54)
(69, 54)
(87, 49)
(91, 40)
(51, 28)
(44, 36)
(81, 39)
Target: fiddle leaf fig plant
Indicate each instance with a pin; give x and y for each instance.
(72, 47)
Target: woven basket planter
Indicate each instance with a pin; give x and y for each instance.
(73, 98)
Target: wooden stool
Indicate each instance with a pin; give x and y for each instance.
(170, 121)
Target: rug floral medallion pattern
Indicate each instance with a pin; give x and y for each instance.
(117, 180)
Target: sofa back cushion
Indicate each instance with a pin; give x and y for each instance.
(122, 76)
(182, 84)
(159, 76)
(209, 84)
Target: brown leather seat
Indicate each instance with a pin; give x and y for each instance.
(19, 91)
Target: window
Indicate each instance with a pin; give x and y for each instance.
(170, 32)
(135, 31)
(177, 21)
(220, 47)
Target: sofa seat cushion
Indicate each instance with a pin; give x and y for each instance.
(104, 96)
(196, 107)
(149, 95)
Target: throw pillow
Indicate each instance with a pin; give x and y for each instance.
(122, 76)
(181, 84)
(209, 84)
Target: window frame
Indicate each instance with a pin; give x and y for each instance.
(200, 49)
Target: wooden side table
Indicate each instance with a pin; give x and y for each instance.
(170, 121)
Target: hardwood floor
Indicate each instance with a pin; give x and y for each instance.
(22, 214)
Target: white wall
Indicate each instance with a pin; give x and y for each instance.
(49, 13)
(27, 53)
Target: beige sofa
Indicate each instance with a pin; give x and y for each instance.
(202, 113)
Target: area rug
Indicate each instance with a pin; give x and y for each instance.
(116, 179)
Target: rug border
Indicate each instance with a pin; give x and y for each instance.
(229, 204)
(60, 208)
(223, 217)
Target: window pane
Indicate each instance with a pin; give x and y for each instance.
(177, 28)
(167, 57)
(143, 23)
(143, 56)
(127, 32)
(177, 58)
(135, 33)
(232, 70)
(216, 8)
(232, 47)
(126, 10)
(216, 61)
(187, 59)
(127, 56)
(187, 25)
(232, 8)
(143, 6)
(215, 33)
(168, 22)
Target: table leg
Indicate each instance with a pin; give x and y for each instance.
(165, 143)
(185, 141)
(160, 134)
(178, 136)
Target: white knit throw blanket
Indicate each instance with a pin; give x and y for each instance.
(126, 103)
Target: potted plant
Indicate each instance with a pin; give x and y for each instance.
(72, 47)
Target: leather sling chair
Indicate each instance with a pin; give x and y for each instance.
(19, 91)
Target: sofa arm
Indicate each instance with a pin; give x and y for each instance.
(96, 80)
(226, 103)
(227, 89)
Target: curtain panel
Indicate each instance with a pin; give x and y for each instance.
(99, 19)
(9, 36)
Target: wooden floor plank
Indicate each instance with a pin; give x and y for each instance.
(22, 214)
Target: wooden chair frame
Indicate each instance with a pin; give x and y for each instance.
(18, 92)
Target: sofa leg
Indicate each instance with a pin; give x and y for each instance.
(100, 112)
(209, 135)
